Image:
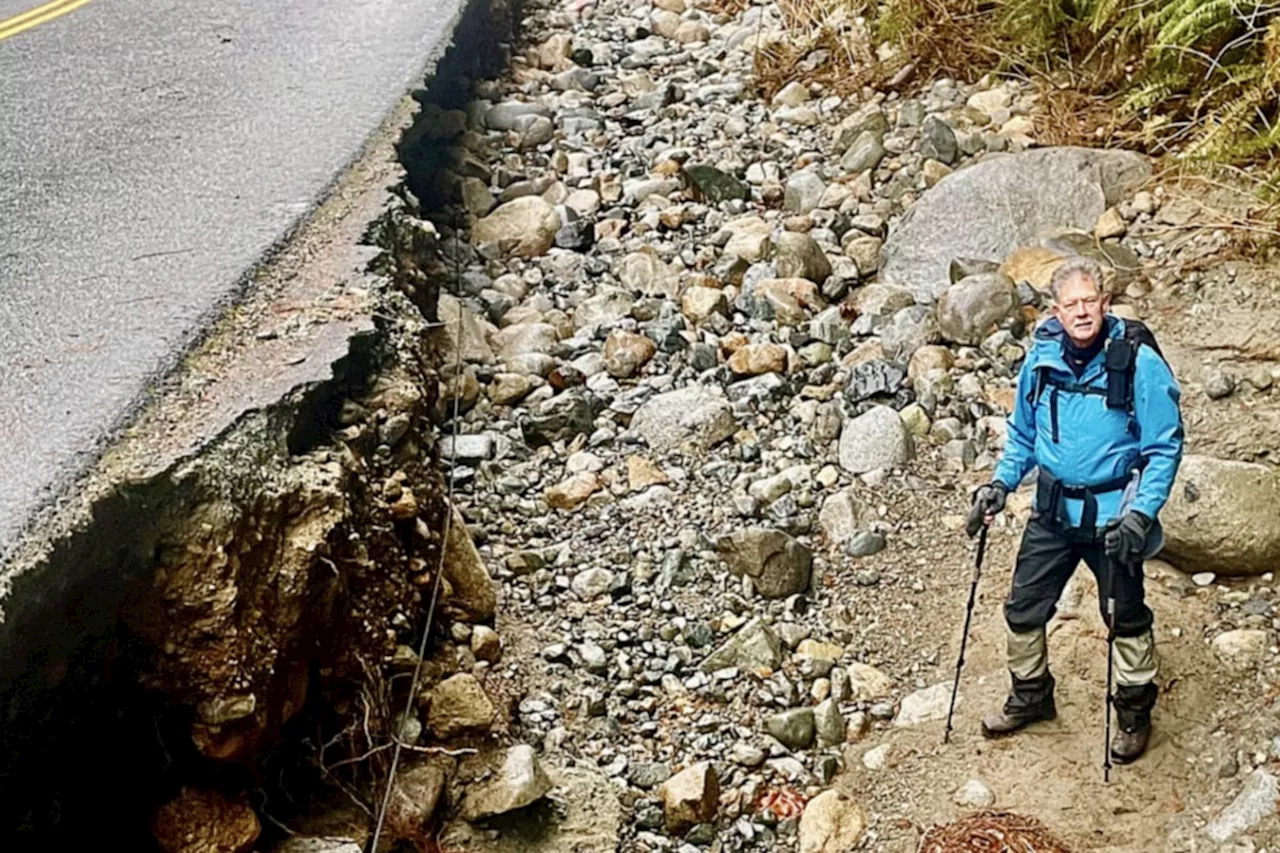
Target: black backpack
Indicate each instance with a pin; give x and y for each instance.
(1121, 364)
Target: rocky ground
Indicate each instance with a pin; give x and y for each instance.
(729, 371)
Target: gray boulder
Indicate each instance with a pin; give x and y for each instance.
(876, 439)
(692, 417)
(989, 209)
(1221, 517)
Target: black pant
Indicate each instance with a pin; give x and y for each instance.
(1048, 557)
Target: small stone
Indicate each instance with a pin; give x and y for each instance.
(572, 492)
(525, 227)
(925, 705)
(592, 583)
(647, 775)
(1203, 578)
(829, 723)
(690, 797)
(715, 185)
(804, 192)
(1110, 224)
(1243, 649)
(486, 645)
(755, 359)
(778, 565)
(746, 754)
(974, 794)
(199, 820)
(938, 141)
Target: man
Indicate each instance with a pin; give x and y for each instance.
(1097, 412)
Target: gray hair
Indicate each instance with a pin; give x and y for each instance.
(1077, 266)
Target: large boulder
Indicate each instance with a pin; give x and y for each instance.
(876, 439)
(525, 227)
(972, 308)
(992, 207)
(777, 564)
(1221, 517)
(693, 417)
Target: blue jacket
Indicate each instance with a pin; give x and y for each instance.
(1095, 444)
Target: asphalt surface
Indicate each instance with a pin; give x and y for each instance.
(151, 151)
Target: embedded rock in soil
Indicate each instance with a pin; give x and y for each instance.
(519, 782)
(779, 565)
(471, 593)
(831, 823)
(558, 419)
(459, 705)
(1221, 518)
(842, 516)
(203, 821)
(1255, 802)
(987, 210)
(692, 417)
(525, 227)
(924, 706)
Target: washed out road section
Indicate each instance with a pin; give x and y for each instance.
(152, 153)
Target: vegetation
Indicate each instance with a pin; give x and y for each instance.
(1198, 78)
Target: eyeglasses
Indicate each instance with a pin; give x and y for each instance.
(1088, 301)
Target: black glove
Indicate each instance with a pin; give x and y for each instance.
(987, 500)
(1126, 537)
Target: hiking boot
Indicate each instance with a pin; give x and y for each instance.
(1030, 701)
(1133, 704)
(1127, 746)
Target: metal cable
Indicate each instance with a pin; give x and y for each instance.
(435, 586)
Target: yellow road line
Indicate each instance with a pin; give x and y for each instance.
(37, 16)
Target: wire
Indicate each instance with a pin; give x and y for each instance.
(444, 541)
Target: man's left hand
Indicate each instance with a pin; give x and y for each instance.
(1126, 537)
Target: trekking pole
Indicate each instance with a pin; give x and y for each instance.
(1112, 565)
(968, 617)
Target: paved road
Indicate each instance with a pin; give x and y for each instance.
(150, 152)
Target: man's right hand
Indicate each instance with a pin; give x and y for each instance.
(987, 501)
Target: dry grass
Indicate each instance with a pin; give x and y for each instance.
(992, 832)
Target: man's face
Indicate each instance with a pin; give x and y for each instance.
(1080, 308)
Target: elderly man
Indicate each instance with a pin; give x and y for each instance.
(1097, 413)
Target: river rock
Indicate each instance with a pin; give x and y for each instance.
(755, 359)
(525, 227)
(803, 193)
(604, 309)
(779, 565)
(519, 782)
(866, 683)
(799, 256)
(793, 729)
(715, 185)
(831, 823)
(828, 723)
(459, 705)
(755, 647)
(465, 330)
(938, 141)
(876, 439)
(690, 797)
(525, 338)
(558, 419)
(699, 303)
(971, 309)
(626, 352)
(645, 272)
(990, 208)
(1221, 518)
(750, 239)
(573, 491)
(865, 152)
(691, 417)
(843, 515)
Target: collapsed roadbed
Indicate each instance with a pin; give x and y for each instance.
(212, 620)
